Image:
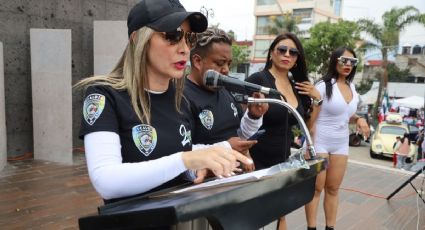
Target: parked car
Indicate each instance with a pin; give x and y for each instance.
(385, 135)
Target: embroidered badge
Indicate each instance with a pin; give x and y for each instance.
(207, 118)
(235, 111)
(93, 107)
(145, 138)
(187, 135)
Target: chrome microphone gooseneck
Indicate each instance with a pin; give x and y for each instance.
(312, 151)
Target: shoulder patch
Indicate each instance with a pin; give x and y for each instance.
(93, 107)
(207, 118)
(145, 138)
(235, 111)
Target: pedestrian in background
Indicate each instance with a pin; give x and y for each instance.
(395, 147)
(402, 150)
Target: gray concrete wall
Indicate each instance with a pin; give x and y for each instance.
(16, 18)
(109, 41)
(51, 94)
(3, 140)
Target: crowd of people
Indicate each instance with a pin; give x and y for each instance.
(147, 127)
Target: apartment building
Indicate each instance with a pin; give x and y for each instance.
(414, 59)
(309, 12)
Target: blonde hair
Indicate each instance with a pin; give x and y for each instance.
(130, 73)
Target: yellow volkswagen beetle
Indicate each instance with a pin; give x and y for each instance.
(383, 139)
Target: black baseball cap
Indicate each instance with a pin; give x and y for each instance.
(163, 16)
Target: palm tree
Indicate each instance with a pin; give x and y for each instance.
(286, 23)
(387, 35)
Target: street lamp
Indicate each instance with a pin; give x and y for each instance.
(207, 12)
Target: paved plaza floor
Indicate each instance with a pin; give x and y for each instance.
(44, 195)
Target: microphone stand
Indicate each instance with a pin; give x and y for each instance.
(309, 140)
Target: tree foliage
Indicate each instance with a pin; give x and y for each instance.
(386, 36)
(396, 74)
(286, 23)
(364, 86)
(232, 35)
(326, 37)
(240, 54)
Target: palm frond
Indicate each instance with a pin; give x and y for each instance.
(370, 27)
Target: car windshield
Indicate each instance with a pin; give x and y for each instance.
(394, 130)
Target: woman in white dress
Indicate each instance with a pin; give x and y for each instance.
(331, 114)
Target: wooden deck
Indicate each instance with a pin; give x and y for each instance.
(45, 195)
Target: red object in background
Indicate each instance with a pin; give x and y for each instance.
(381, 117)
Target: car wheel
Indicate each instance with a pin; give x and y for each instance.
(372, 154)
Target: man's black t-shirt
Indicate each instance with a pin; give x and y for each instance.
(217, 115)
(273, 147)
(107, 109)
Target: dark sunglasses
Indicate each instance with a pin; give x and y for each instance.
(176, 36)
(344, 61)
(293, 52)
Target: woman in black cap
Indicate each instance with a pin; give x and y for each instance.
(136, 124)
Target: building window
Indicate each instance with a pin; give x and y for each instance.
(405, 50)
(265, 2)
(337, 7)
(305, 15)
(261, 48)
(416, 49)
(264, 23)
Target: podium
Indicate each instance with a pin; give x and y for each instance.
(248, 205)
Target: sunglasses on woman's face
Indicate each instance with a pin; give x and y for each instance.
(176, 36)
(293, 52)
(344, 61)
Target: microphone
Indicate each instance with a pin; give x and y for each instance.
(215, 79)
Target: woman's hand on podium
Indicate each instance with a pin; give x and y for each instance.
(250, 167)
(221, 161)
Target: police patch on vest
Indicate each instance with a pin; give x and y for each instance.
(145, 138)
(93, 107)
(207, 119)
(235, 111)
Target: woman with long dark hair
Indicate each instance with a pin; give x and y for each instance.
(286, 71)
(329, 127)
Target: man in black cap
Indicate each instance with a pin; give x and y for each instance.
(218, 117)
